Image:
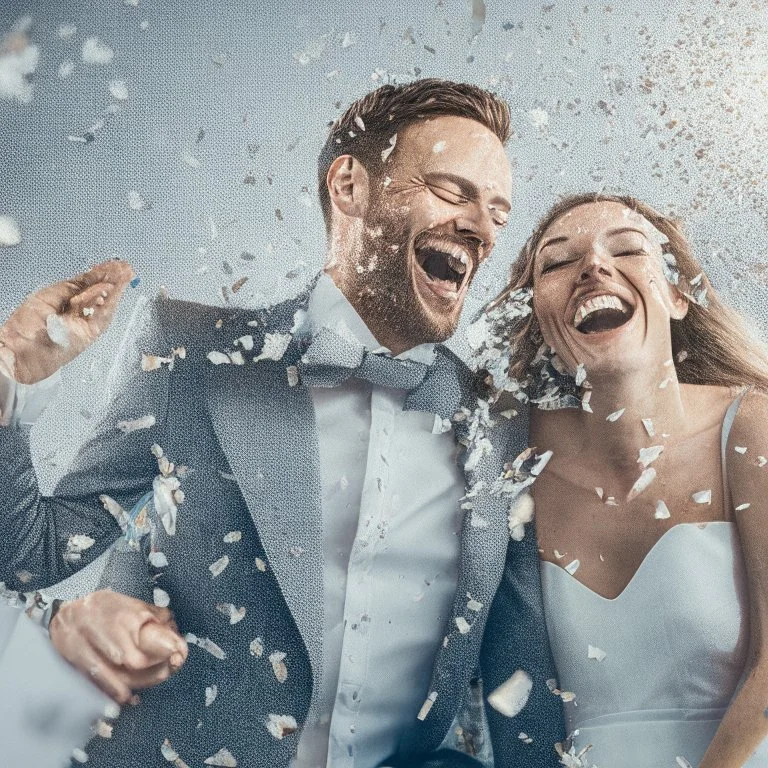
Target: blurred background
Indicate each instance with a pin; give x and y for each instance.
(183, 137)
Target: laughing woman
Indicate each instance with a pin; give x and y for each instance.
(652, 514)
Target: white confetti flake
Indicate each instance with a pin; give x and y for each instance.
(237, 357)
(665, 382)
(585, 398)
(281, 726)
(520, 513)
(359, 122)
(599, 491)
(512, 695)
(65, 31)
(165, 499)
(217, 567)
(646, 478)
(277, 660)
(573, 566)
(525, 738)
(662, 511)
(79, 756)
(274, 346)
(761, 461)
(206, 644)
(473, 605)
(261, 565)
(211, 692)
(742, 507)
(682, 762)
(233, 613)
(742, 449)
(648, 424)
(160, 598)
(135, 201)
(462, 625)
(581, 374)
(18, 62)
(145, 422)
(388, 151)
(233, 537)
(118, 89)
(158, 560)
(96, 51)
(10, 233)
(539, 118)
(219, 358)
(650, 454)
(223, 759)
(438, 147)
(478, 18)
(66, 68)
(256, 647)
(426, 707)
(593, 652)
(616, 415)
(246, 342)
(702, 497)
(102, 730)
(57, 330)
(189, 159)
(292, 372)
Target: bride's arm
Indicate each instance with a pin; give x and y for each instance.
(745, 723)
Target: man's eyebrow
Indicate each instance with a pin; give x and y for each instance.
(466, 187)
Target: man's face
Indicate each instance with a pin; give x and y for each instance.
(432, 219)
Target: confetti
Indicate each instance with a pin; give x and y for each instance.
(118, 90)
(616, 415)
(79, 756)
(462, 625)
(135, 201)
(256, 647)
(76, 545)
(97, 52)
(158, 560)
(702, 497)
(281, 726)
(426, 707)
(145, 422)
(211, 692)
(388, 151)
(233, 537)
(171, 755)
(646, 478)
(231, 612)
(223, 758)
(65, 31)
(520, 513)
(761, 461)
(57, 330)
(160, 598)
(10, 233)
(217, 567)
(66, 68)
(206, 644)
(274, 347)
(512, 695)
(573, 566)
(648, 455)
(438, 147)
(682, 762)
(18, 62)
(742, 507)
(595, 653)
(478, 18)
(662, 511)
(260, 564)
(740, 449)
(102, 729)
(648, 424)
(277, 660)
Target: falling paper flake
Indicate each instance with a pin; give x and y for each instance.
(231, 612)
(160, 597)
(478, 18)
(539, 118)
(426, 707)
(599, 491)
(662, 511)
(189, 159)
(145, 422)
(232, 537)
(438, 147)
(246, 342)
(66, 68)
(616, 415)
(66, 31)
(102, 729)
(165, 500)
(761, 461)
(79, 756)
(97, 52)
(581, 374)
(135, 201)
(217, 567)
(211, 692)
(512, 695)
(281, 725)
(219, 358)
(256, 647)
(18, 62)
(648, 424)
(682, 762)
(462, 625)
(57, 329)
(573, 566)
(276, 659)
(648, 455)
(206, 644)
(742, 507)
(274, 346)
(261, 565)
(10, 233)
(646, 478)
(740, 449)
(76, 545)
(223, 758)
(595, 653)
(388, 151)
(158, 560)
(702, 497)
(119, 90)
(520, 513)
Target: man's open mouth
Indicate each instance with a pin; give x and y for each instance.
(598, 314)
(445, 263)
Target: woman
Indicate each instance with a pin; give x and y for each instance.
(652, 513)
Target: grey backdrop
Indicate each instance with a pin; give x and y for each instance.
(228, 105)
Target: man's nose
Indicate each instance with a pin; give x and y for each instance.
(478, 224)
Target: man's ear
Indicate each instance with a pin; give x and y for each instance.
(348, 186)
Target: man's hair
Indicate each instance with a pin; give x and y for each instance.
(719, 348)
(365, 129)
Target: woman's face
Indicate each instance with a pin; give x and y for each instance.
(599, 292)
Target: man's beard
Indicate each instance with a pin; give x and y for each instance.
(384, 290)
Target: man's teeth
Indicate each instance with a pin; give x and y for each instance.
(455, 255)
(595, 303)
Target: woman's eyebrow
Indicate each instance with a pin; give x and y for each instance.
(552, 241)
(622, 230)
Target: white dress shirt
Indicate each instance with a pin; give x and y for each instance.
(391, 522)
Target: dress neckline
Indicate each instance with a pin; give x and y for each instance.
(652, 553)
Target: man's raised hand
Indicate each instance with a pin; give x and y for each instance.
(55, 324)
(120, 643)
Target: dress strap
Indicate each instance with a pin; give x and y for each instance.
(730, 416)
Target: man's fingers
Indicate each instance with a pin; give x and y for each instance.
(146, 678)
(161, 643)
(110, 681)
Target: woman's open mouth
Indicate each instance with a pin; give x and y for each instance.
(598, 314)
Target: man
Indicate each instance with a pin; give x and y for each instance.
(296, 493)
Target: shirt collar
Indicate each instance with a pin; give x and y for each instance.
(329, 308)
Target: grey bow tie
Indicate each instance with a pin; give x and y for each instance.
(331, 359)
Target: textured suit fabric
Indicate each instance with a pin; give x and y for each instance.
(245, 447)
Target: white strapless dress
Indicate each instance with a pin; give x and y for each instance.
(675, 643)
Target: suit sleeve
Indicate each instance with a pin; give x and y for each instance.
(119, 463)
(516, 638)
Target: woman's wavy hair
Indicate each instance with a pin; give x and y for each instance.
(719, 348)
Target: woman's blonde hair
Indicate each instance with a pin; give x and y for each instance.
(719, 348)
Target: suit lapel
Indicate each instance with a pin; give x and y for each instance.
(268, 434)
